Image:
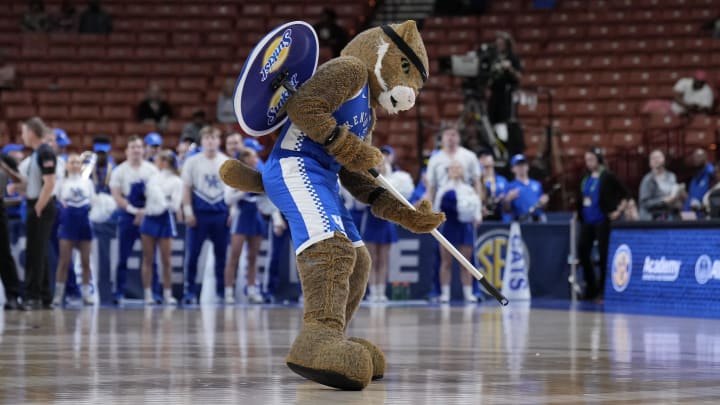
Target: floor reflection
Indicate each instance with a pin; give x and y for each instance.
(464, 354)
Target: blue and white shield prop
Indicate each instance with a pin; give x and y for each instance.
(288, 53)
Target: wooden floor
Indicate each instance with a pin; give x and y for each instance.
(437, 355)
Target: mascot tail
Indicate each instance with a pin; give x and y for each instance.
(237, 174)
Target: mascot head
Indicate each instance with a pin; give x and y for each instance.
(397, 62)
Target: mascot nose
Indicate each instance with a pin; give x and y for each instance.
(402, 98)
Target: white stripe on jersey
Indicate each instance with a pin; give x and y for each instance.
(293, 139)
(296, 180)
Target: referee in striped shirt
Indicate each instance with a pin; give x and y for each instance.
(41, 212)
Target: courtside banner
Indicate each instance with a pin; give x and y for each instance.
(676, 266)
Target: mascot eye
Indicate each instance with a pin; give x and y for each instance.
(405, 64)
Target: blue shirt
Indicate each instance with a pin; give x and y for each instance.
(591, 201)
(699, 185)
(527, 198)
(355, 114)
(498, 191)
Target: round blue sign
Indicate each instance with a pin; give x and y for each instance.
(291, 51)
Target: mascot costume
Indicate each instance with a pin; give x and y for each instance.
(328, 137)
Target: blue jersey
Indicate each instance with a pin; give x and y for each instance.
(201, 174)
(699, 185)
(355, 114)
(529, 195)
(592, 214)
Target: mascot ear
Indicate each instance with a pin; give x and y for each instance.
(408, 31)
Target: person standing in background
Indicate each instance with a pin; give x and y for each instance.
(225, 108)
(495, 187)
(248, 225)
(700, 182)
(41, 212)
(661, 197)
(127, 185)
(233, 145)
(205, 212)
(601, 198)
(438, 165)
(154, 109)
(163, 198)
(76, 195)
(94, 20)
(329, 33)
(153, 142)
(525, 198)
(8, 269)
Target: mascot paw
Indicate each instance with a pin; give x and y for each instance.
(237, 174)
(378, 357)
(420, 220)
(353, 153)
(322, 354)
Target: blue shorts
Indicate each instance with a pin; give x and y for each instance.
(308, 194)
(249, 221)
(377, 230)
(75, 224)
(159, 226)
(458, 233)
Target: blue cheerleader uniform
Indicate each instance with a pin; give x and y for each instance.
(377, 230)
(76, 194)
(163, 196)
(458, 233)
(249, 221)
(159, 226)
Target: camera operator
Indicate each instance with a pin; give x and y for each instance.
(507, 73)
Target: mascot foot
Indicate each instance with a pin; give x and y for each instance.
(323, 355)
(377, 356)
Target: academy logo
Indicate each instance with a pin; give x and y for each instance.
(276, 54)
(621, 268)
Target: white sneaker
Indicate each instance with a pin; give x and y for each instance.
(149, 301)
(57, 301)
(229, 300)
(255, 298)
(88, 300)
(381, 298)
(170, 300)
(444, 299)
(471, 299)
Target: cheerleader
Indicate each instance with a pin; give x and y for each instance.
(462, 207)
(75, 196)
(379, 234)
(163, 196)
(248, 225)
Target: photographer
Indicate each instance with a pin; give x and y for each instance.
(507, 73)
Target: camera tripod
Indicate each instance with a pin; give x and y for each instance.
(478, 131)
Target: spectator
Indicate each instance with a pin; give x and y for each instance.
(506, 80)
(330, 33)
(525, 198)
(462, 207)
(7, 74)
(76, 195)
(103, 164)
(692, 95)
(41, 213)
(713, 26)
(62, 141)
(601, 198)
(153, 141)
(186, 147)
(225, 104)
(700, 183)
(67, 20)
(35, 19)
(248, 225)
(95, 20)
(154, 108)
(205, 212)
(8, 269)
(127, 185)
(661, 197)
(711, 205)
(495, 187)
(192, 129)
(163, 196)
(437, 169)
(252, 143)
(233, 145)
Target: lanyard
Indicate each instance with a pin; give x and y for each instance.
(594, 184)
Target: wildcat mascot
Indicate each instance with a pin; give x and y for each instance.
(327, 137)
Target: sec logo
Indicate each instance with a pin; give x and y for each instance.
(491, 251)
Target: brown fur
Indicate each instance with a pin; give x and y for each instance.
(237, 174)
(421, 220)
(321, 346)
(358, 284)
